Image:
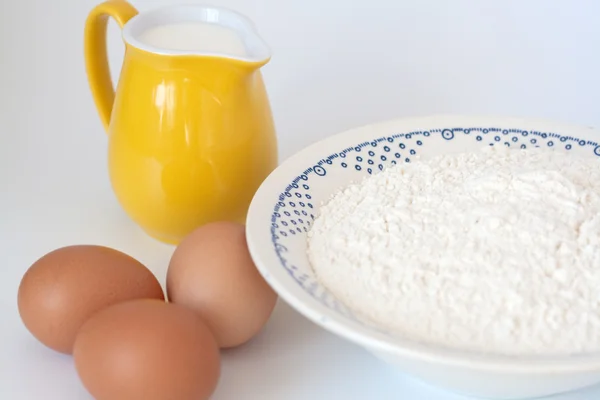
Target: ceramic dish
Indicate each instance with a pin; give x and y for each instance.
(289, 198)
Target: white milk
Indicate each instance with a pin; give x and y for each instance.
(194, 36)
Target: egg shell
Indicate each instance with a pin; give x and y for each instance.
(211, 272)
(62, 289)
(147, 350)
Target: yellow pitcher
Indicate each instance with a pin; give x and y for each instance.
(190, 133)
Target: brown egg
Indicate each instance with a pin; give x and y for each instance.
(212, 273)
(66, 286)
(147, 350)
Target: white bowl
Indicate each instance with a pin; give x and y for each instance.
(278, 220)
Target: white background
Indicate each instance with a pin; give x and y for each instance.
(335, 66)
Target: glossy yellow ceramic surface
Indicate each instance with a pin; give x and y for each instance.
(191, 137)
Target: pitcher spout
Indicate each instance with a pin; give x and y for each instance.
(195, 30)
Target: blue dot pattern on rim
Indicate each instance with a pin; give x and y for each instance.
(293, 213)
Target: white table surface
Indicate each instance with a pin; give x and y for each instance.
(335, 66)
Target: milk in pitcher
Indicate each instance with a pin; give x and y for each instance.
(197, 37)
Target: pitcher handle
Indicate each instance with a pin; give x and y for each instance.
(96, 58)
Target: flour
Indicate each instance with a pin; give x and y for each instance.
(495, 251)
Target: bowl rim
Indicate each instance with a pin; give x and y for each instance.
(256, 232)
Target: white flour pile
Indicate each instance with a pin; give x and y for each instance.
(495, 251)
